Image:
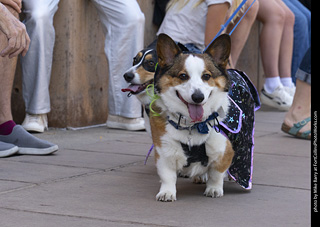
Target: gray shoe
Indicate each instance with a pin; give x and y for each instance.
(27, 143)
(7, 149)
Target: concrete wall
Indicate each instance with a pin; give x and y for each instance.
(79, 80)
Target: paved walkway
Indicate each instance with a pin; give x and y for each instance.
(98, 178)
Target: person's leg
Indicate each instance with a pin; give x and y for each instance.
(123, 24)
(301, 106)
(300, 109)
(8, 68)
(240, 34)
(286, 49)
(37, 64)
(286, 45)
(13, 138)
(216, 16)
(301, 33)
(7, 72)
(272, 17)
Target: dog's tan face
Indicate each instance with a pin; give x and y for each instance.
(141, 74)
(193, 85)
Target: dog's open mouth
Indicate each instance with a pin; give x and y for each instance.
(137, 88)
(195, 111)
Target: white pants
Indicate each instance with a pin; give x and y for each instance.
(123, 25)
(36, 65)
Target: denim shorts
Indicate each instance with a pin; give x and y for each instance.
(193, 48)
(304, 71)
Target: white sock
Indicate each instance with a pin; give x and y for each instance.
(287, 82)
(271, 83)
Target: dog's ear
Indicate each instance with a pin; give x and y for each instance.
(167, 50)
(220, 49)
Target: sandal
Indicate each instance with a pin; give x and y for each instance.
(294, 131)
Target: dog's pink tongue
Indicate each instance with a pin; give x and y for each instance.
(195, 112)
(131, 88)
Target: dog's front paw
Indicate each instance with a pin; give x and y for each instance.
(215, 192)
(166, 196)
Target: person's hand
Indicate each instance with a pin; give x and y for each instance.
(15, 4)
(15, 31)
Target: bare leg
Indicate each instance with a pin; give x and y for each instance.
(272, 16)
(301, 106)
(215, 17)
(241, 33)
(286, 46)
(7, 72)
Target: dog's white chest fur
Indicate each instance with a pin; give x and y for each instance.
(172, 149)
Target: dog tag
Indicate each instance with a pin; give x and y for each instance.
(189, 140)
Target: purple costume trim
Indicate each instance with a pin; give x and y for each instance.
(235, 130)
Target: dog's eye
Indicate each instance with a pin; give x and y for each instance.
(135, 61)
(183, 76)
(206, 77)
(151, 63)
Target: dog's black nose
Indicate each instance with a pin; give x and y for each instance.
(128, 76)
(197, 96)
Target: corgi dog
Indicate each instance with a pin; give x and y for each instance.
(139, 76)
(192, 92)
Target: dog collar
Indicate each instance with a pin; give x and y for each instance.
(202, 127)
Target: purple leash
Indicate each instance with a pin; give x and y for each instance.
(149, 152)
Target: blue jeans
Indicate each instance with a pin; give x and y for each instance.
(304, 71)
(302, 33)
(192, 48)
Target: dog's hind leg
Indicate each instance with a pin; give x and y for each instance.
(217, 171)
(202, 179)
(214, 184)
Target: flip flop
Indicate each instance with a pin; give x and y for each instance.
(294, 131)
